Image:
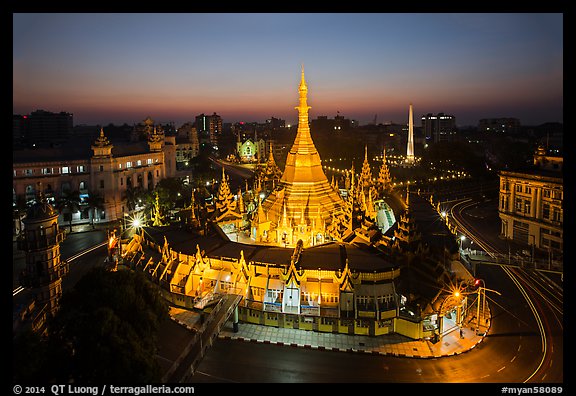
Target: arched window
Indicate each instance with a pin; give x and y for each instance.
(30, 193)
(66, 188)
(150, 181)
(83, 185)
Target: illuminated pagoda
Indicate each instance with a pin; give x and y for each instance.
(303, 197)
(268, 173)
(304, 256)
(384, 181)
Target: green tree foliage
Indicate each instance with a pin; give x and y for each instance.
(95, 201)
(69, 202)
(105, 331)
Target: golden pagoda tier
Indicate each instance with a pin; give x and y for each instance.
(304, 196)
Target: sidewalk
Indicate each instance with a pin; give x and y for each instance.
(389, 345)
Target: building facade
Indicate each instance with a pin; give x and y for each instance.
(438, 127)
(209, 128)
(101, 169)
(531, 204)
(499, 125)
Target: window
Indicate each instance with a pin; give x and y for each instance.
(527, 207)
(546, 211)
(149, 161)
(83, 185)
(81, 168)
(139, 163)
(528, 190)
(556, 214)
(518, 204)
(157, 173)
(546, 193)
(46, 171)
(518, 187)
(119, 166)
(101, 168)
(557, 194)
(121, 181)
(29, 172)
(101, 183)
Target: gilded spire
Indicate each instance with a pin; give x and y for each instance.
(102, 140)
(303, 86)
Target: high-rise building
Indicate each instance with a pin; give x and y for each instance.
(46, 128)
(499, 125)
(338, 124)
(209, 128)
(275, 123)
(438, 127)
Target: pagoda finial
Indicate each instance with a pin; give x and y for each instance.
(365, 152)
(303, 80)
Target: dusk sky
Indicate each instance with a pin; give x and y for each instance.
(121, 68)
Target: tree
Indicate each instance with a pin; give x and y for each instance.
(94, 201)
(168, 190)
(69, 202)
(106, 329)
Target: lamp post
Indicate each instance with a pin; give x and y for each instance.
(482, 295)
(460, 243)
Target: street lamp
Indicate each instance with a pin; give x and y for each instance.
(481, 295)
(460, 243)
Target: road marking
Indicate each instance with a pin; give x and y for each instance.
(514, 358)
(502, 368)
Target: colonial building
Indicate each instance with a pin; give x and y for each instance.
(93, 168)
(531, 203)
(187, 144)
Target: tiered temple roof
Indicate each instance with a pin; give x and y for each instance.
(304, 189)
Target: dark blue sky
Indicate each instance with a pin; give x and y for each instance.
(246, 67)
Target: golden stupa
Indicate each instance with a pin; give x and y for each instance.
(304, 202)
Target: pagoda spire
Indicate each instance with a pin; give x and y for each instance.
(240, 206)
(384, 178)
(303, 144)
(366, 175)
(303, 182)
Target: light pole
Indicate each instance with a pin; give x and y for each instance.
(482, 295)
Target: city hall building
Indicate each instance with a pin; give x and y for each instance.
(92, 168)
